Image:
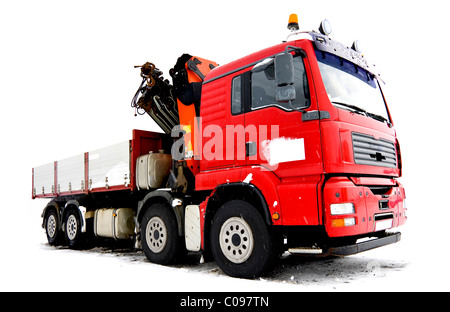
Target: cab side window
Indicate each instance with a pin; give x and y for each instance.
(236, 96)
(263, 88)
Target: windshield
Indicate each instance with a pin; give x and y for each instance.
(351, 87)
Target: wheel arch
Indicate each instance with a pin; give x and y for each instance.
(80, 211)
(242, 191)
(71, 204)
(159, 196)
(53, 205)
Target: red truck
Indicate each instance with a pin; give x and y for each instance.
(291, 148)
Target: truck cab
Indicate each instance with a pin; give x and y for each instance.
(325, 162)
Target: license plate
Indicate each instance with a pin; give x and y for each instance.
(383, 225)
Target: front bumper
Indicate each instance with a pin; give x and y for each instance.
(378, 205)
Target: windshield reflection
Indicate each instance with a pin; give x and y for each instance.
(350, 86)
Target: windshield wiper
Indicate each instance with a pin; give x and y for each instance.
(364, 112)
(353, 107)
(380, 118)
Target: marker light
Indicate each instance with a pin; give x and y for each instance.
(343, 222)
(342, 209)
(276, 216)
(325, 27)
(293, 22)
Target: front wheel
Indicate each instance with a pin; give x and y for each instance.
(241, 242)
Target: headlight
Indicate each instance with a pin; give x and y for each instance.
(342, 209)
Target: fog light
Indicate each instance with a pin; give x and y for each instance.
(342, 209)
(343, 222)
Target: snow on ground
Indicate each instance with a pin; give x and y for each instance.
(52, 118)
(28, 263)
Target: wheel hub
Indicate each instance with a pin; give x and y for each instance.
(236, 240)
(51, 226)
(71, 227)
(156, 234)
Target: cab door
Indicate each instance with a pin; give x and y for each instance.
(287, 142)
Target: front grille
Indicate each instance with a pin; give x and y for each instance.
(369, 151)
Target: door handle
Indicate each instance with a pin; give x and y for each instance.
(250, 148)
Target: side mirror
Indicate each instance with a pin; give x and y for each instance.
(284, 77)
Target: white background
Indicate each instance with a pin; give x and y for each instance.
(67, 79)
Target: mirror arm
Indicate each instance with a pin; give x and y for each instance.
(298, 50)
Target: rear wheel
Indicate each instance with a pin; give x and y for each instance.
(52, 227)
(159, 234)
(72, 230)
(241, 242)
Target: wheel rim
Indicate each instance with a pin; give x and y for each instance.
(156, 234)
(51, 226)
(236, 240)
(72, 227)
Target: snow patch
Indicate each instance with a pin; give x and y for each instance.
(249, 178)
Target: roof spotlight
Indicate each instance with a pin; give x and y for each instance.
(356, 46)
(325, 27)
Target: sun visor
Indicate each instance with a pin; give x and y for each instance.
(325, 44)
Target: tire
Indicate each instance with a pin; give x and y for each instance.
(159, 235)
(51, 225)
(241, 242)
(72, 230)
